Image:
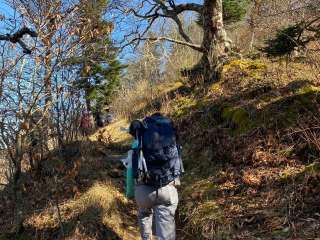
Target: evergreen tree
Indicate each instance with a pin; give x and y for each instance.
(99, 69)
(293, 37)
(233, 11)
(285, 41)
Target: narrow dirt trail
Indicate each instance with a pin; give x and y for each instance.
(124, 221)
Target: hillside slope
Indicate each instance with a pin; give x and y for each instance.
(251, 152)
(251, 148)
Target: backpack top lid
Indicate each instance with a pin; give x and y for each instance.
(158, 132)
(135, 128)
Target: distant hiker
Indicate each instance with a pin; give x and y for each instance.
(103, 119)
(109, 118)
(100, 121)
(157, 166)
(85, 124)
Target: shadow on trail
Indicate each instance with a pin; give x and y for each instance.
(86, 225)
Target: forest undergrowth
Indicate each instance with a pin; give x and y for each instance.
(251, 153)
(240, 79)
(251, 150)
(80, 196)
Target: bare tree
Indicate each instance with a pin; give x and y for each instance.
(56, 24)
(27, 87)
(215, 43)
(15, 112)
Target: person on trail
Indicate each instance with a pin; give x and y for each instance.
(85, 124)
(109, 118)
(100, 121)
(103, 119)
(157, 166)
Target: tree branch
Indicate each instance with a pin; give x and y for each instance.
(156, 39)
(165, 9)
(181, 7)
(173, 14)
(188, 7)
(17, 38)
(181, 30)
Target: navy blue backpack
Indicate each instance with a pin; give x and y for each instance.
(158, 143)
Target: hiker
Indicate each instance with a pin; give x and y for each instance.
(103, 119)
(109, 118)
(85, 124)
(157, 166)
(100, 120)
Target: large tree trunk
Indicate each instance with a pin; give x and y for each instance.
(215, 41)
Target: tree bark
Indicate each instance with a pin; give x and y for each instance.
(17, 158)
(215, 44)
(18, 220)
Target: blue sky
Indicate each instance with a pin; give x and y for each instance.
(121, 29)
(7, 12)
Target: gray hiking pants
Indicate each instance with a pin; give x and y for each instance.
(159, 207)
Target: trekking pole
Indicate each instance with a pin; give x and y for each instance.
(144, 164)
(140, 166)
(179, 147)
(142, 160)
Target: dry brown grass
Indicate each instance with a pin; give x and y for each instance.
(252, 185)
(113, 133)
(313, 59)
(144, 86)
(132, 100)
(3, 172)
(143, 98)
